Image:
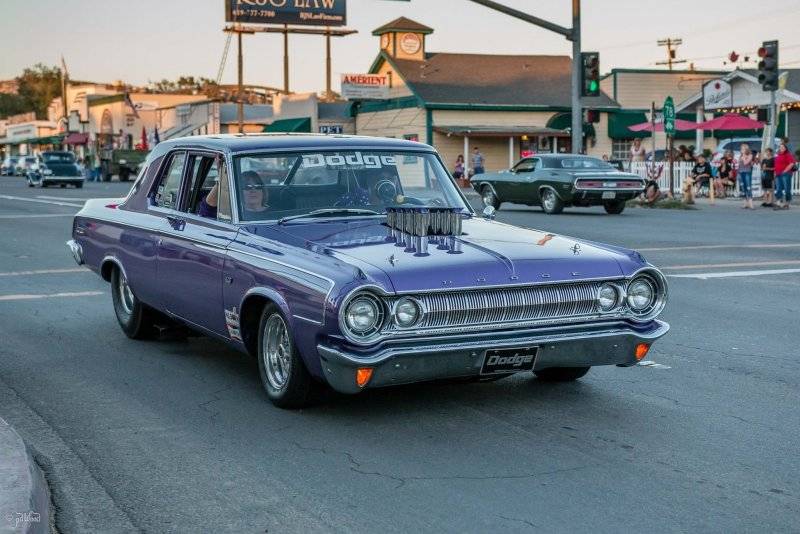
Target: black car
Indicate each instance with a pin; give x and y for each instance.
(56, 168)
(556, 181)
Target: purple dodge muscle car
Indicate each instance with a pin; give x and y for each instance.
(356, 262)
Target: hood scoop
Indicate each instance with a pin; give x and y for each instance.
(414, 227)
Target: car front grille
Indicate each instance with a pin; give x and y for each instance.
(515, 305)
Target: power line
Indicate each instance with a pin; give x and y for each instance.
(670, 43)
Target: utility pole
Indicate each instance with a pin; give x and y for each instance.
(286, 59)
(670, 44)
(328, 94)
(240, 96)
(572, 34)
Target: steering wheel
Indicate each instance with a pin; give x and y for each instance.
(386, 191)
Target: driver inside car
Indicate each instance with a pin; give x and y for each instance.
(254, 198)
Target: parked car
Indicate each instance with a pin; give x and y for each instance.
(555, 181)
(356, 262)
(8, 167)
(26, 163)
(123, 163)
(735, 144)
(55, 168)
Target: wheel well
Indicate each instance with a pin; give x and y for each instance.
(107, 269)
(249, 319)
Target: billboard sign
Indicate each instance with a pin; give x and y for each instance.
(717, 94)
(365, 86)
(299, 12)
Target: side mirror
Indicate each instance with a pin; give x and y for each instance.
(488, 212)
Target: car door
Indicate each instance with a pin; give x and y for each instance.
(521, 181)
(191, 254)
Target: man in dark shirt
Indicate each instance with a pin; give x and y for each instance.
(701, 174)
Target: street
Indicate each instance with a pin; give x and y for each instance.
(178, 435)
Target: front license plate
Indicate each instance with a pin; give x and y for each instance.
(503, 361)
(609, 194)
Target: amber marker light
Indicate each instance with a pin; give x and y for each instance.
(363, 374)
(641, 351)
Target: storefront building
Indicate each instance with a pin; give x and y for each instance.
(507, 106)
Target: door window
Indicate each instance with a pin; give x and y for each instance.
(204, 176)
(526, 165)
(167, 193)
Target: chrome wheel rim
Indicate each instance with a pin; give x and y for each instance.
(126, 298)
(549, 200)
(488, 197)
(277, 351)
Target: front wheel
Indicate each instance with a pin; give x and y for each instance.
(614, 207)
(489, 198)
(551, 204)
(561, 374)
(79, 185)
(283, 373)
(135, 318)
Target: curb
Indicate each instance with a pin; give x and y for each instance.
(24, 495)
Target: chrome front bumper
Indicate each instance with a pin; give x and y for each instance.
(432, 359)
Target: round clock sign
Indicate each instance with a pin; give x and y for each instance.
(410, 43)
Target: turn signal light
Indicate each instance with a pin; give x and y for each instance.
(363, 374)
(641, 350)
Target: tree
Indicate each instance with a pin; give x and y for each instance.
(12, 105)
(38, 86)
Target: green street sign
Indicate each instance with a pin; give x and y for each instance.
(669, 116)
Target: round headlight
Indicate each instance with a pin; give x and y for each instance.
(406, 312)
(607, 297)
(363, 315)
(641, 294)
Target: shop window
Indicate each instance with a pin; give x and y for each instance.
(621, 148)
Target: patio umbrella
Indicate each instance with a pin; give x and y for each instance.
(680, 125)
(731, 121)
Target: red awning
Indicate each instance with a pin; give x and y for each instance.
(76, 138)
(731, 121)
(680, 125)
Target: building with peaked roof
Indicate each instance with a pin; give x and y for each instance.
(507, 105)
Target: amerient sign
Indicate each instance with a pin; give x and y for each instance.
(301, 12)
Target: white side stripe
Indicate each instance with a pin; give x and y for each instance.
(706, 276)
(51, 295)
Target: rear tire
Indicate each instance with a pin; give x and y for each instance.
(551, 204)
(614, 207)
(284, 376)
(135, 318)
(79, 185)
(561, 374)
(489, 198)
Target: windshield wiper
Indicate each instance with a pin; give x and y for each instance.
(330, 212)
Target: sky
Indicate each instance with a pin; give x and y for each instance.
(147, 40)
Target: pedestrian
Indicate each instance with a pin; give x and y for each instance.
(458, 170)
(726, 174)
(638, 152)
(477, 161)
(97, 168)
(701, 174)
(768, 178)
(785, 165)
(745, 174)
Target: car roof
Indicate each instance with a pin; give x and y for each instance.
(563, 156)
(267, 141)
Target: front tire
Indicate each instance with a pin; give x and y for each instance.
(79, 185)
(614, 207)
(561, 374)
(135, 318)
(551, 204)
(489, 198)
(283, 373)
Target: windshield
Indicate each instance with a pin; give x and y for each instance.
(577, 163)
(273, 186)
(58, 157)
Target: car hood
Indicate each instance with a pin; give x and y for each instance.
(489, 253)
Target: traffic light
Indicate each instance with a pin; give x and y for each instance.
(768, 66)
(590, 74)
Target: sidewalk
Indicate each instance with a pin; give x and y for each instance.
(24, 496)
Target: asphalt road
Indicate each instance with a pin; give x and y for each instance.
(178, 436)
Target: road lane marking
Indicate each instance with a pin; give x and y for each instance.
(725, 265)
(36, 215)
(74, 199)
(41, 201)
(45, 271)
(730, 274)
(710, 247)
(51, 295)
